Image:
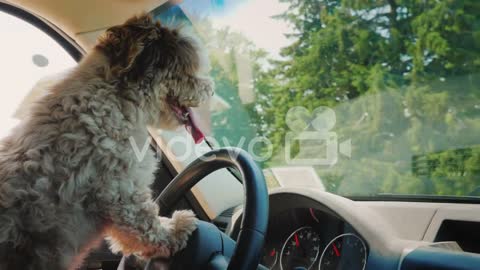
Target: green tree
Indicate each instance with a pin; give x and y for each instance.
(402, 76)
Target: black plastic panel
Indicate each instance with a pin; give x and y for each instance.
(465, 233)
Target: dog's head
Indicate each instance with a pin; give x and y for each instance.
(166, 64)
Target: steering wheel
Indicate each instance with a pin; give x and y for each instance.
(208, 247)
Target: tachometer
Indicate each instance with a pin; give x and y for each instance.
(346, 251)
(301, 250)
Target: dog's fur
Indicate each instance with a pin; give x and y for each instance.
(68, 173)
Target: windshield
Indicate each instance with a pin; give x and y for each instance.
(359, 98)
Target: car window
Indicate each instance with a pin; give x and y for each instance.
(31, 61)
(359, 98)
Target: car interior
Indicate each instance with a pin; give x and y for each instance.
(393, 185)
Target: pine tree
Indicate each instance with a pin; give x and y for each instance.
(402, 76)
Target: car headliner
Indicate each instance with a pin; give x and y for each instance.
(84, 20)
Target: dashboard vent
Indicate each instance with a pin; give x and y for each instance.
(228, 213)
(224, 219)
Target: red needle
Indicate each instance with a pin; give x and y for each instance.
(272, 253)
(297, 243)
(337, 253)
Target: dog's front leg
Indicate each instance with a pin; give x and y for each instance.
(137, 229)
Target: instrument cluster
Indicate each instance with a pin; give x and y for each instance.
(304, 239)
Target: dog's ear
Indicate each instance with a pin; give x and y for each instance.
(143, 19)
(124, 43)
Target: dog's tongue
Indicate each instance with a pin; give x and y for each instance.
(192, 127)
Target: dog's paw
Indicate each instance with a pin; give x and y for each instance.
(183, 223)
(150, 252)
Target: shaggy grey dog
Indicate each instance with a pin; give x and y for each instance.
(68, 173)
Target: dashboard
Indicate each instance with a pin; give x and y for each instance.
(314, 229)
(309, 238)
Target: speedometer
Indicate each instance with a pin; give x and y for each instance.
(346, 251)
(301, 250)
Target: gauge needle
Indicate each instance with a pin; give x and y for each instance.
(273, 253)
(337, 253)
(297, 243)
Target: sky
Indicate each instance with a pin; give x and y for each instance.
(250, 17)
(253, 19)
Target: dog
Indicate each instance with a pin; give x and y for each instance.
(68, 173)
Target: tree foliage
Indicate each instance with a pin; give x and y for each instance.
(402, 77)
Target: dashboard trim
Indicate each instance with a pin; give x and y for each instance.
(384, 244)
(391, 230)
